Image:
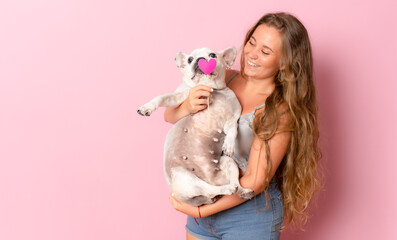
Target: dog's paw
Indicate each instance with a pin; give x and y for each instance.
(231, 189)
(228, 189)
(228, 148)
(245, 193)
(147, 109)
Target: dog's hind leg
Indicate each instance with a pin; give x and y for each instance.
(187, 187)
(229, 173)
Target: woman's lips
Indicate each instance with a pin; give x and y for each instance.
(251, 64)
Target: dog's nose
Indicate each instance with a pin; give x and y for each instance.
(198, 59)
(196, 66)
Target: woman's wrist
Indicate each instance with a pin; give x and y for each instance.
(202, 211)
(184, 109)
(205, 210)
(172, 115)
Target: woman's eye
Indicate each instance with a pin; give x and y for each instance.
(190, 60)
(265, 53)
(251, 43)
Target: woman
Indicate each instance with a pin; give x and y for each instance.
(277, 95)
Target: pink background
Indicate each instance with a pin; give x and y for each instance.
(77, 161)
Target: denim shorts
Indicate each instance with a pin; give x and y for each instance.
(248, 220)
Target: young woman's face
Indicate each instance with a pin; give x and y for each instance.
(262, 53)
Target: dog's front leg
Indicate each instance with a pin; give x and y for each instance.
(166, 100)
(230, 129)
(231, 125)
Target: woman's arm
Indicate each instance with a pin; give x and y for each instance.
(195, 102)
(172, 115)
(253, 178)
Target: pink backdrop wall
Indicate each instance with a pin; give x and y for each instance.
(77, 162)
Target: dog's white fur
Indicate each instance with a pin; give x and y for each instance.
(194, 168)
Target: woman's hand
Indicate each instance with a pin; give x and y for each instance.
(183, 207)
(195, 102)
(197, 99)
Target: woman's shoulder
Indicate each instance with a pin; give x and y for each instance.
(284, 113)
(230, 73)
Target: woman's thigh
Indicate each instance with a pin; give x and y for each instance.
(191, 237)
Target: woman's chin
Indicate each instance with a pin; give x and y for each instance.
(249, 73)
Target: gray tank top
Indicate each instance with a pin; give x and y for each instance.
(245, 136)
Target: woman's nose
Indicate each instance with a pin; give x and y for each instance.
(253, 54)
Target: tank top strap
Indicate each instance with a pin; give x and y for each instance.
(231, 78)
(261, 106)
(256, 108)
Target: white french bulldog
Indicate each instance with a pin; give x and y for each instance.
(195, 169)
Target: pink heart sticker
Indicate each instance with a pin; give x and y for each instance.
(209, 67)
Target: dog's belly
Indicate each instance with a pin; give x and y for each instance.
(193, 148)
(195, 143)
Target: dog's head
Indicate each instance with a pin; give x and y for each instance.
(192, 74)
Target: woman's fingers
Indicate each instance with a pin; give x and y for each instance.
(202, 87)
(202, 93)
(174, 198)
(197, 99)
(201, 102)
(173, 202)
(197, 108)
(201, 107)
(176, 203)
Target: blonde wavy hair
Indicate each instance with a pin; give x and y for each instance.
(295, 98)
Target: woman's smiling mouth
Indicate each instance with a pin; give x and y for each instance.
(252, 64)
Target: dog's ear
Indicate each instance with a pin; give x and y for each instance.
(180, 60)
(229, 55)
